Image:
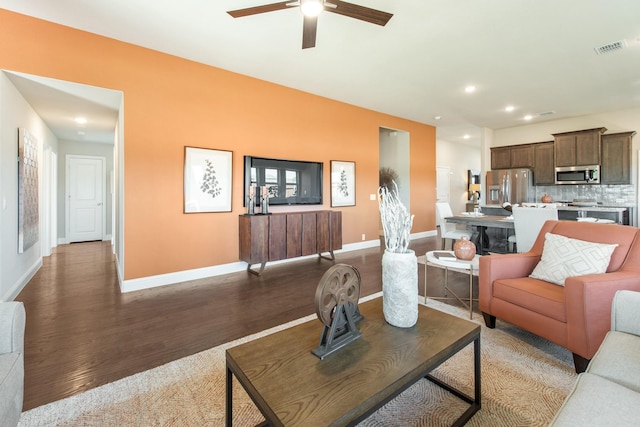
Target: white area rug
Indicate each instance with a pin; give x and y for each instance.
(524, 381)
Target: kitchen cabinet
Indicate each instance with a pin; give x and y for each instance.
(578, 148)
(500, 158)
(544, 165)
(512, 156)
(522, 156)
(616, 158)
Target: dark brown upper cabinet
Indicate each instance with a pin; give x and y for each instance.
(578, 148)
(616, 158)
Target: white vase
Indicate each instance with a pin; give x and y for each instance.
(400, 288)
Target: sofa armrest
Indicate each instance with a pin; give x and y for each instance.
(12, 324)
(625, 312)
(588, 301)
(502, 266)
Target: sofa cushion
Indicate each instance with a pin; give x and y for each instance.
(617, 359)
(533, 294)
(564, 257)
(595, 401)
(11, 388)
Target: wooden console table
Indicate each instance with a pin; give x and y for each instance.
(280, 236)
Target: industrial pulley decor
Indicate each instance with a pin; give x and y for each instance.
(336, 303)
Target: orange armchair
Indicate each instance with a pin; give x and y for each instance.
(575, 316)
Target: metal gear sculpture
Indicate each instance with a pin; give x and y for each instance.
(336, 304)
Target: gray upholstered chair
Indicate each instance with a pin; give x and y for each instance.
(12, 324)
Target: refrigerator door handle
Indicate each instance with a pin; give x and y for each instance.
(506, 189)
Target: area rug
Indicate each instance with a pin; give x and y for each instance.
(524, 382)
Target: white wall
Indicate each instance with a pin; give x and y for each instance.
(459, 158)
(16, 269)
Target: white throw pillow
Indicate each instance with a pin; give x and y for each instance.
(564, 257)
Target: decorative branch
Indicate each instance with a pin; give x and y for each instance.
(386, 177)
(396, 221)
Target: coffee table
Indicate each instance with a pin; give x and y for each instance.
(292, 387)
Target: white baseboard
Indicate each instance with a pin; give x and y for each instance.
(424, 234)
(234, 267)
(217, 270)
(65, 241)
(22, 281)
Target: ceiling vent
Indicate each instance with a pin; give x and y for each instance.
(611, 47)
(547, 113)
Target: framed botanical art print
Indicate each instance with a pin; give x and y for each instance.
(207, 180)
(343, 183)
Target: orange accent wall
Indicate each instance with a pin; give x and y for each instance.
(171, 102)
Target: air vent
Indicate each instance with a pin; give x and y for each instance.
(547, 113)
(611, 47)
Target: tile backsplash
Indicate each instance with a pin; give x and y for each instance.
(608, 195)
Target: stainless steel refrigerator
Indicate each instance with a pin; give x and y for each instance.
(509, 186)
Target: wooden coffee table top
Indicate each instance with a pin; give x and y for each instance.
(293, 387)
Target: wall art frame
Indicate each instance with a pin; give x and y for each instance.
(343, 183)
(28, 198)
(207, 180)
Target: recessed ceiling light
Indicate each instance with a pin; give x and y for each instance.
(470, 89)
(437, 117)
(528, 117)
(509, 108)
(80, 120)
(466, 136)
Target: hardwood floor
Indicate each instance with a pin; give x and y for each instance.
(83, 332)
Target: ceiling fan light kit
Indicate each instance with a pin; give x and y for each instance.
(312, 8)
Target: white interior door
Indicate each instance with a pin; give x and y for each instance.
(443, 183)
(85, 198)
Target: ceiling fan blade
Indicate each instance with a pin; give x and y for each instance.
(260, 9)
(309, 28)
(359, 12)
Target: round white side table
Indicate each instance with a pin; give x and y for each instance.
(471, 266)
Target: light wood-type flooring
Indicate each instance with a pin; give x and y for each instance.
(83, 332)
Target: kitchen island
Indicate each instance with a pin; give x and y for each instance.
(566, 212)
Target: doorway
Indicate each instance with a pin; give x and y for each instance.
(394, 146)
(85, 198)
(443, 183)
(55, 101)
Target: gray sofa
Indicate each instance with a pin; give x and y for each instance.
(12, 323)
(608, 392)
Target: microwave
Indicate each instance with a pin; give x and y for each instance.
(578, 175)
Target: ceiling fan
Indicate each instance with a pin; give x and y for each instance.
(312, 8)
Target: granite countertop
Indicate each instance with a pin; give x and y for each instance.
(562, 207)
(592, 208)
